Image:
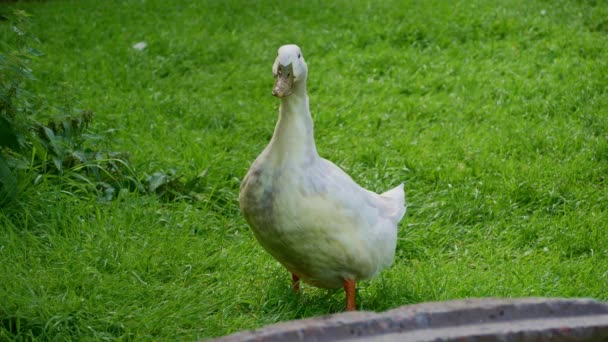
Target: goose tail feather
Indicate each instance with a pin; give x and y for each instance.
(396, 196)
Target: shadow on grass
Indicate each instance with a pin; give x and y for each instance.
(379, 294)
(14, 327)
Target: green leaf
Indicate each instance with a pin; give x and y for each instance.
(157, 180)
(22, 13)
(58, 163)
(17, 30)
(56, 149)
(67, 131)
(34, 52)
(23, 71)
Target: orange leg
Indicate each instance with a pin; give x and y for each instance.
(349, 288)
(296, 282)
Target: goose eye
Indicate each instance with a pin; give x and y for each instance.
(299, 56)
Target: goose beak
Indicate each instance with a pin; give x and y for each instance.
(283, 81)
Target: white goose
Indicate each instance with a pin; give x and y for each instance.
(305, 211)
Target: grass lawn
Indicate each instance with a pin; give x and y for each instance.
(493, 113)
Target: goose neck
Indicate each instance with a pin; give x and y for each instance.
(293, 135)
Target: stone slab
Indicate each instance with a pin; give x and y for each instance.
(486, 319)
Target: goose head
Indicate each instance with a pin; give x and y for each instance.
(289, 70)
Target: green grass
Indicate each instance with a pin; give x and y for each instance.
(493, 113)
